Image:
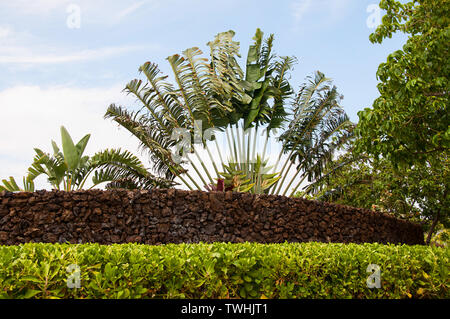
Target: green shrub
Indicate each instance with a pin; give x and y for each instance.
(223, 270)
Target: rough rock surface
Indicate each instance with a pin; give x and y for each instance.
(176, 216)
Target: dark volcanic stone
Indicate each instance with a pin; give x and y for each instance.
(176, 216)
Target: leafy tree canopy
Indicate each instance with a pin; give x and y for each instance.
(419, 193)
(408, 124)
(409, 121)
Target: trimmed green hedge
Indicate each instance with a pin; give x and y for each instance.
(221, 270)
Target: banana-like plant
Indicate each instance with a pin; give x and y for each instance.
(243, 106)
(69, 169)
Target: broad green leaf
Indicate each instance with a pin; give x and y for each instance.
(81, 145)
(55, 148)
(30, 293)
(71, 156)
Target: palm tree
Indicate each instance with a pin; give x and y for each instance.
(71, 168)
(204, 93)
(241, 106)
(317, 127)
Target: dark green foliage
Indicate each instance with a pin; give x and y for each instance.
(409, 122)
(221, 270)
(419, 193)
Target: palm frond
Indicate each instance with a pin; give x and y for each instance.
(117, 166)
(160, 96)
(319, 127)
(11, 185)
(52, 166)
(152, 140)
(277, 115)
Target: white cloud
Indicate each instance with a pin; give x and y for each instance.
(299, 8)
(31, 116)
(9, 35)
(131, 9)
(21, 47)
(5, 31)
(103, 10)
(339, 8)
(16, 54)
(324, 11)
(120, 13)
(36, 6)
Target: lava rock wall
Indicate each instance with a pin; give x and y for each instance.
(177, 216)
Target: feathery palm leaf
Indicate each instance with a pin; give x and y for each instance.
(11, 185)
(116, 165)
(319, 127)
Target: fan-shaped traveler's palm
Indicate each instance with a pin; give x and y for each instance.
(242, 105)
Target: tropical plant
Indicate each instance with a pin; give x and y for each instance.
(318, 129)
(408, 124)
(219, 101)
(441, 238)
(201, 99)
(362, 182)
(70, 169)
(11, 185)
(419, 193)
(257, 178)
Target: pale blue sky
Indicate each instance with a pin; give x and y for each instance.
(52, 74)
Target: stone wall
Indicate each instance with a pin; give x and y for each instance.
(176, 216)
